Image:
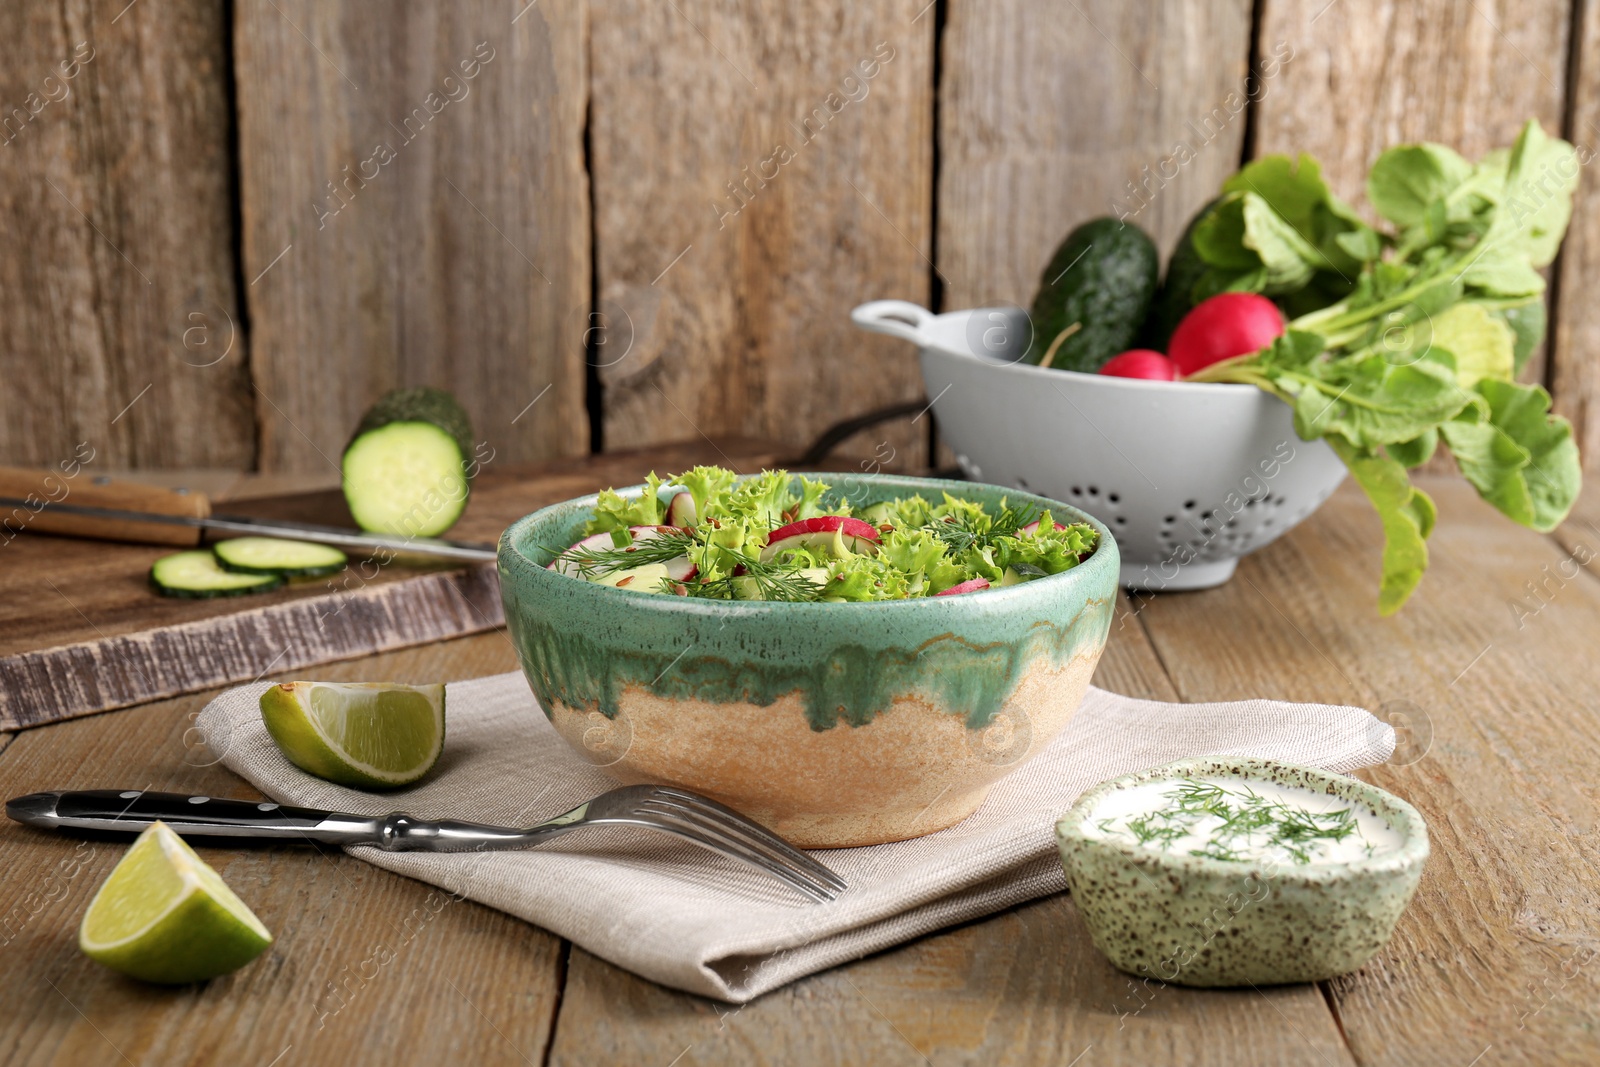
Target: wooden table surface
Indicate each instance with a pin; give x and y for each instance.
(1489, 673)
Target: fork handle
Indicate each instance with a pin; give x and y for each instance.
(131, 810)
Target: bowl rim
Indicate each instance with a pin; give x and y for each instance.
(1400, 815)
(1211, 389)
(510, 554)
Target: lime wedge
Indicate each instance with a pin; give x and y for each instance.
(372, 735)
(164, 916)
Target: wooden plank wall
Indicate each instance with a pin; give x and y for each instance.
(618, 222)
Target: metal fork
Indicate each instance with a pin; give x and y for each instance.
(673, 811)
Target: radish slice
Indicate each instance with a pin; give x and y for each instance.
(680, 510)
(821, 532)
(563, 564)
(971, 585)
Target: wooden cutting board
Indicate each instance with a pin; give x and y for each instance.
(81, 631)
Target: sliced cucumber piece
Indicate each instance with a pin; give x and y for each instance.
(196, 574)
(405, 469)
(275, 555)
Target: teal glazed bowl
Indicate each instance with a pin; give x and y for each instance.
(834, 724)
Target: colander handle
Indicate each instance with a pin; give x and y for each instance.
(897, 318)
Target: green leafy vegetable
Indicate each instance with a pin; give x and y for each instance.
(922, 550)
(1406, 338)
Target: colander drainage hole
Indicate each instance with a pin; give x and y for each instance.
(1077, 491)
(1188, 505)
(1120, 521)
(1093, 491)
(1170, 519)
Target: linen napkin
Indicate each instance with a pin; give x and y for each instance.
(688, 918)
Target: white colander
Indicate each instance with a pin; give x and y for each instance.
(1188, 476)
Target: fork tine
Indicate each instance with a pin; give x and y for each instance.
(751, 828)
(735, 846)
(739, 830)
(733, 849)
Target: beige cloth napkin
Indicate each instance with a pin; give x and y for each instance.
(687, 918)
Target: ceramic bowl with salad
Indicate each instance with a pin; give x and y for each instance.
(850, 660)
(1204, 411)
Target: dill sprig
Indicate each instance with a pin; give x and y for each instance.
(1243, 820)
(662, 548)
(959, 532)
(773, 581)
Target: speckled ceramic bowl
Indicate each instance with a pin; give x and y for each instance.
(834, 724)
(1205, 922)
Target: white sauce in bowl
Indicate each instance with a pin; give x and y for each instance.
(1241, 819)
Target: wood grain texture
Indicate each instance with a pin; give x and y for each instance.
(1498, 749)
(80, 630)
(433, 226)
(759, 169)
(239, 645)
(1369, 74)
(1023, 987)
(121, 327)
(366, 967)
(1050, 115)
(1574, 373)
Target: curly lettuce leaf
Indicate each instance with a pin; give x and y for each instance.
(706, 485)
(612, 512)
(1050, 549)
(863, 578)
(808, 503)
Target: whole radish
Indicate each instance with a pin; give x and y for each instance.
(1141, 363)
(1226, 325)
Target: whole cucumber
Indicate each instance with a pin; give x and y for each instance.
(1177, 293)
(1102, 278)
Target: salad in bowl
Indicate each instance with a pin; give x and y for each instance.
(707, 533)
(849, 661)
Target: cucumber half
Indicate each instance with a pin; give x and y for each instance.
(196, 574)
(405, 470)
(275, 555)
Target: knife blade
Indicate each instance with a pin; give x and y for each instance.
(469, 551)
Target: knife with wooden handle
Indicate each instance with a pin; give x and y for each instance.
(114, 509)
(31, 500)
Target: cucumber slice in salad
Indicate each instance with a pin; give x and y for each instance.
(196, 574)
(275, 555)
(405, 469)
